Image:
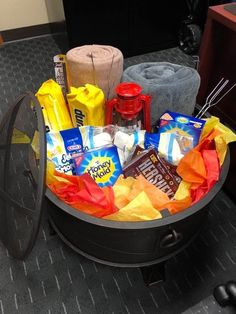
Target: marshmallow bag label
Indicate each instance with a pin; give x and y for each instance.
(102, 164)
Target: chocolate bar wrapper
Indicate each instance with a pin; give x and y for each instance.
(172, 169)
(148, 164)
(137, 151)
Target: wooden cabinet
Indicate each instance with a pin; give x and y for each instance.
(217, 59)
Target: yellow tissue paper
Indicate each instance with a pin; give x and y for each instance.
(128, 189)
(139, 209)
(222, 138)
(183, 190)
(209, 126)
(19, 137)
(122, 189)
(155, 195)
(35, 144)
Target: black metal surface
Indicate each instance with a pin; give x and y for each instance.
(154, 274)
(130, 243)
(221, 295)
(124, 247)
(54, 279)
(21, 192)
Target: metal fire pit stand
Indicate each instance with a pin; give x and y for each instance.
(146, 245)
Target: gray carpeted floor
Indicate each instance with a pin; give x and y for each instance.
(54, 279)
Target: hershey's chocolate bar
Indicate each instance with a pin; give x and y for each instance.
(148, 164)
(172, 169)
(137, 151)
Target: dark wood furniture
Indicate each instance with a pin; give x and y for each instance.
(1, 39)
(218, 59)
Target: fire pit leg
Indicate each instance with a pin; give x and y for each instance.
(153, 274)
(52, 232)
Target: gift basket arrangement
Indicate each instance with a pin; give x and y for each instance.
(129, 171)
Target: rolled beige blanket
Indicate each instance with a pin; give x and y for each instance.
(100, 65)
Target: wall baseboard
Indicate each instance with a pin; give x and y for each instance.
(32, 31)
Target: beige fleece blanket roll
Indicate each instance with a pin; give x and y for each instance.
(100, 65)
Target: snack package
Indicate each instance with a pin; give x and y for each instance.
(171, 168)
(54, 108)
(151, 139)
(182, 125)
(171, 146)
(137, 151)
(86, 105)
(149, 164)
(126, 142)
(60, 72)
(102, 164)
(124, 139)
(95, 136)
(62, 146)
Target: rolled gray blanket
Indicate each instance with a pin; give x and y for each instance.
(172, 87)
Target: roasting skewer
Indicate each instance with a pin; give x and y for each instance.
(210, 100)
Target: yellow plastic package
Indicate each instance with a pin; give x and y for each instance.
(54, 108)
(87, 106)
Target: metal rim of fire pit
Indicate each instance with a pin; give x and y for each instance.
(105, 262)
(75, 228)
(151, 223)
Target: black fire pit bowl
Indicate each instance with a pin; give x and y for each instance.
(23, 196)
(129, 244)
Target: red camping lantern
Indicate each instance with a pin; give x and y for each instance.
(130, 109)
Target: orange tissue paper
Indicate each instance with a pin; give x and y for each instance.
(200, 167)
(81, 192)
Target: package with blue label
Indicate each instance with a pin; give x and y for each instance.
(102, 164)
(178, 133)
(124, 139)
(171, 146)
(183, 125)
(62, 146)
(96, 136)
